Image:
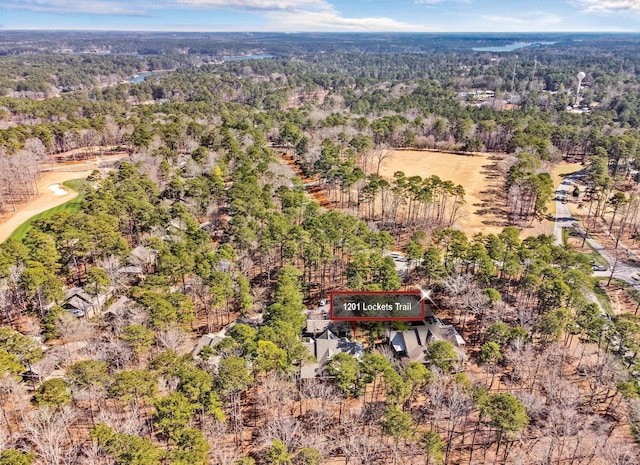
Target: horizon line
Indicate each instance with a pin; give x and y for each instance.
(217, 31)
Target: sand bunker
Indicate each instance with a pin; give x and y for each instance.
(57, 190)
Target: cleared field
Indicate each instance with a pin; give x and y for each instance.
(478, 174)
(560, 171)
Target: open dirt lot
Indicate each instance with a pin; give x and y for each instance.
(478, 174)
(45, 200)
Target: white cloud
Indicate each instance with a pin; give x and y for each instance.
(254, 4)
(610, 6)
(100, 7)
(306, 15)
(332, 21)
(138, 7)
(433, 2)
(281, 15)
(530, 19)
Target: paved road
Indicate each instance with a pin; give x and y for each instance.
(564, 219)
(563, 215)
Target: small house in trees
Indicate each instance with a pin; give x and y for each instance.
(323, 347)
(413, 342)
(79, 303)
(407, 344)
(207, 340)
(116, 314)
(142, 256)
(440, 332)
(130, 270)
(318, 322)
(131, 273)
(315, 327)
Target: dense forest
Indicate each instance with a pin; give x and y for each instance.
(212, 226)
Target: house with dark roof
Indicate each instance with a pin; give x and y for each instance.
(318, 322)
(324, 347)
(413, 342)
(407, 344)
(80, 303)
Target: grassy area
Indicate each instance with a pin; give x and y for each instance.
(72, 206)
(559, 172)
(603, 298)
(595, 257)
(566, 233)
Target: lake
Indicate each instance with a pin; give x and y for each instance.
(509, 47)
(247, 57)
(141, 76)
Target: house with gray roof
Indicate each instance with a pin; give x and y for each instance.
(324, 347)
(413, 342)
(80, 303)
(210, 340)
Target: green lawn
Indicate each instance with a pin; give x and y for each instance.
(602, 296)
(72, 206)
(566, 232)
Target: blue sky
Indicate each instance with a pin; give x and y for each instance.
(324, 15)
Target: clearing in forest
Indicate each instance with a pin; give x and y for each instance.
(46, 199)
(480, 175)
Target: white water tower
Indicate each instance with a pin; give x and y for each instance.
(580, 76)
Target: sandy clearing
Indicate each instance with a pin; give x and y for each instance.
(482, 211)
(44, 201)
(57, 190)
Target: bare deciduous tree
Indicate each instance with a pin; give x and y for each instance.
(173, 338)
(285, 429)
(621, 454)
(122, 421)
(48, 431)
(359, 449)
